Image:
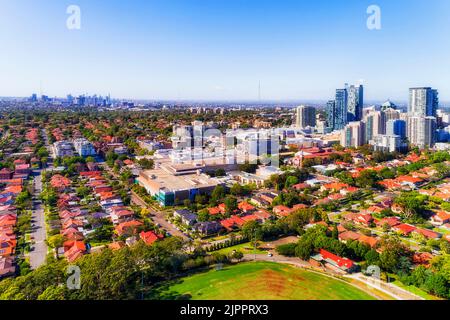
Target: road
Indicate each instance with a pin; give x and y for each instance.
(39, 254)
(392, 290)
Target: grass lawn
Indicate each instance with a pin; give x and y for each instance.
(260, 281)
(245, 248)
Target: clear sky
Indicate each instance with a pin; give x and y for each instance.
(221, 49)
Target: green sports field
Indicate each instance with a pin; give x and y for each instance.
(261, 281)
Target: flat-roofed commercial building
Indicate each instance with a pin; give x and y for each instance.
(171, 184)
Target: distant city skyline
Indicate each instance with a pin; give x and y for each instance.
(185, 50)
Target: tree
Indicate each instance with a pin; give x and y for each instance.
(288, 249)
(146, 164)
(252, 230)
(304, 249)
(230, 204)
(237, 255)
(412, 203)
(437, 284)
(217, 195)
(248, 167)
(335, 232)
(220, 173)
(392, 250)
(290, 181)
(386, 173)
(55, 241)
(83, 191)
(372, 258)
(345, 177)
(367, 179)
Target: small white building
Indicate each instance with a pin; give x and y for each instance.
(62, 149)
(84, 147)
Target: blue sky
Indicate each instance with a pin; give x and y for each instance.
(221, 49)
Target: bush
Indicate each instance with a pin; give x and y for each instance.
(287, 249)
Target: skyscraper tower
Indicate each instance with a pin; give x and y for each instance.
(423, 102)
(355, 103)
(421, 131)
(306, 117)
(331, 114)
(341, 109)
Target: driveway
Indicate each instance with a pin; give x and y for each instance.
(158, 217)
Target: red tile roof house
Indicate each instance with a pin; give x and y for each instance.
(72, 234)
(282, 211)
(116, 245)
(390, 184)
(428, 233)
(22, 169)
(269, 197)
(404, 229)
(440, 218)
(334, 187)
(90, 174)
(232, 223)
(360, 218)
(60, 182)
(220, 209)
(349, 190)
(300, 186)
(391, 221)
(72, 223)
(149, 237)
(371, 241)
(5, 174)
(349, 235)
(120, 214)
(263, 215)
(7, 267)
(343, 264)
(8, 220)
(74, 250)
(128, 228)
(251, 217)
(246, 207)
(299, 207)
(101, 189)
(335, 197)
(374, 209)
(410, 181)
(7, 247)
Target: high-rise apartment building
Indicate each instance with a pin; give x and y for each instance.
(421, 131)
(423, 101)
(375, 123)
(355, 102)
(305, 117)
(331, 114)
(353, 134)
(396, 127)
(341, 104)
(391, 114)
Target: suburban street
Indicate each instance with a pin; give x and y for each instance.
(39, 253)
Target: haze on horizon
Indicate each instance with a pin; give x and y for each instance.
(221, 49)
